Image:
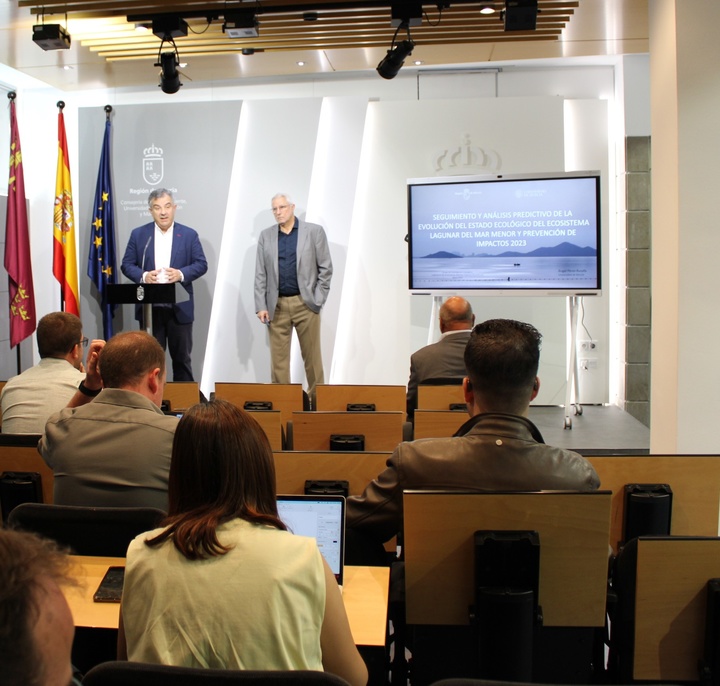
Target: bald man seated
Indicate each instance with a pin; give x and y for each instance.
(443, 359)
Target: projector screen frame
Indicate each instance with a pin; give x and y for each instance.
(496, 290)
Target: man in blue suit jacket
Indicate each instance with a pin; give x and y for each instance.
(292, 281)
(166, 252)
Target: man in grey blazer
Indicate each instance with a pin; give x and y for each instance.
(444, 359)
(292, 281)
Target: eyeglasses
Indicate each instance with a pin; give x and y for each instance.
(280, 208)
(84, 342)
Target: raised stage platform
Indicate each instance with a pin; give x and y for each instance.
(599, 430)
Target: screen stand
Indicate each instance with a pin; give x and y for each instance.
(434, 313)
(147, 317)
(574, 302)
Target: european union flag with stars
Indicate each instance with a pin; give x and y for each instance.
(101, 260)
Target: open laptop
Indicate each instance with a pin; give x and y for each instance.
(321, 517)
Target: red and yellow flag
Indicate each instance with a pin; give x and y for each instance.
(17, 245)
(64, 254)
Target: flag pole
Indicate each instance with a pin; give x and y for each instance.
(61, 107)
(11, 96)
(17, 261)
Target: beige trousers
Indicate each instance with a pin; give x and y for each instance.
(291, 312)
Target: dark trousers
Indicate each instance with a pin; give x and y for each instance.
(177, 338)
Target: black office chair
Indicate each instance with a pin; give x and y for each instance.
(140, 674)
(101, 531)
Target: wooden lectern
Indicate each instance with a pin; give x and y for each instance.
(147, 295)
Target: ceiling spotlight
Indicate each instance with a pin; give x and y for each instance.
(391, 64)
(51, 37)
(521, 15)
(169, 26)
(406, 13)
(169, 75)
(487, 8)
(240, 24)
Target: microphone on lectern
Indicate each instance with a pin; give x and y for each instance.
(142, 264)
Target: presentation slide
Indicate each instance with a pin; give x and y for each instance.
(505, 234)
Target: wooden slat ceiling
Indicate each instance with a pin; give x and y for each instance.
(339, 24)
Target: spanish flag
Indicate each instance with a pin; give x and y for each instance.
(64, 254)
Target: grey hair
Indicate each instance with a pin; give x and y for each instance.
(158, 193)
(283, 195)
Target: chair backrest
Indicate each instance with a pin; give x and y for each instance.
(439, 396)
(287, 398)
(359, 469)
(336, 397)
(181, 394)
(438, 543)
(18, 453)
(101, 531)
(694, 481)
(437, 423)
(312, 430)
(658, 630)
(140, 674)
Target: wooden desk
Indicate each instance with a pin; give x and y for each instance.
(336, 397)
(573, 529)
(670, 606)
(694, 479)
(365, 594)
(26, 458)
(284, 397)
(357, 468)
(439, 397)
(437, 423)
(383, 431)
(181, 394)
(271, 423)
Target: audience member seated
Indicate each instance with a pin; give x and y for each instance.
(444, 359)
(28, 399)
(224, 584)
(36, 625)
(497, 449)
(111, 446)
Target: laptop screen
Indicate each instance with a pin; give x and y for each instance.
(321, 517)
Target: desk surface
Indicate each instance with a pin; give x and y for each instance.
(365, 594)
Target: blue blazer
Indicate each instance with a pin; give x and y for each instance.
(187, 256)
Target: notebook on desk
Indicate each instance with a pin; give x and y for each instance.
(321, 517)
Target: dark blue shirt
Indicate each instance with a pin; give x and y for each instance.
(287, 261)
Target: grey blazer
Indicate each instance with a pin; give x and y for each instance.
(314, 267)
(446, 358)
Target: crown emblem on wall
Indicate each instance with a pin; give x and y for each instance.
(466, 158)
(153, 165)
(153, 151)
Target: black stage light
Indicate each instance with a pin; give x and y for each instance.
(51, 37)
(169, 76)
(168, 26)
(521, 15)
(241, 24)
(391, 64)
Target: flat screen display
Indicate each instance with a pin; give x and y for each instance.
(505, 235)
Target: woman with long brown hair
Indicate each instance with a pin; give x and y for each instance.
(223, 584)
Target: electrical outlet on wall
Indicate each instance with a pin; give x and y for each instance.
(587, 346)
